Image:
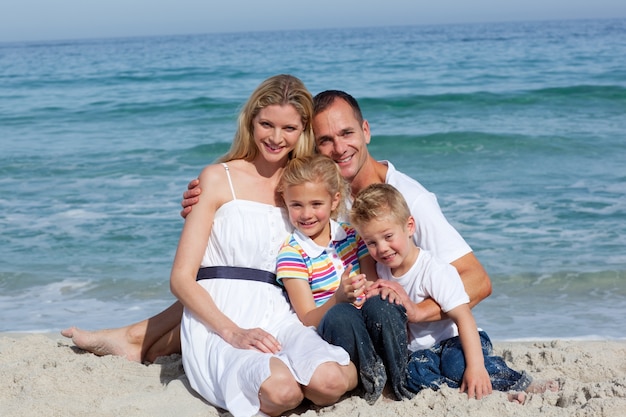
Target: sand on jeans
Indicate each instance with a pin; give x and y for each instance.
(45, 375)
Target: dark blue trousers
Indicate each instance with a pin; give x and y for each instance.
(444, 363)
(375, 337)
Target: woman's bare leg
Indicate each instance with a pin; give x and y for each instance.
(144, 340)
(330, 381)
(280, 392)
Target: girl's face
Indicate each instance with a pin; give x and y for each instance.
(276, 131)
(310, 206)
(390, 243)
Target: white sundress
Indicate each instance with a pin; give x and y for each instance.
(248, 234)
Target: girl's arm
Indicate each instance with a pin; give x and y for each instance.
(301, 297)
(476, 380)
(191, 247)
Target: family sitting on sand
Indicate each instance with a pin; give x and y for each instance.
(383, 300)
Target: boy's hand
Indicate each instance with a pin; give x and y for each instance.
(476, 382)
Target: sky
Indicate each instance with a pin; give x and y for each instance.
(41, 20)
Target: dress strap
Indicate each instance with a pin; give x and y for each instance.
(230, 182)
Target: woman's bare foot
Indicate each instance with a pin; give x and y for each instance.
(105, 342)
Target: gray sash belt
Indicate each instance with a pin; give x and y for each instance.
(236, 272)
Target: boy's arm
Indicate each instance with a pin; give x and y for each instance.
(476, 380)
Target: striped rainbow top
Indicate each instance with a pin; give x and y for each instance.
(322, 267)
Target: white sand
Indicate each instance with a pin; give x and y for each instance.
(44, 375)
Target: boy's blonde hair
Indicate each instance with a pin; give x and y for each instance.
(316, 169)
(377, 201)
(282, 90)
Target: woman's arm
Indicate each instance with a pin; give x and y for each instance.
(191, 247)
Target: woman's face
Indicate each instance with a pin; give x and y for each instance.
(276, 130)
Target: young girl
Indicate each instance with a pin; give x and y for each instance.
(320, 263)
(324, 263)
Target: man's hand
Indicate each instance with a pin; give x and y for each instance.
(190, 197)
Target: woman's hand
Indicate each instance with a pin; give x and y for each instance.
(257, 339)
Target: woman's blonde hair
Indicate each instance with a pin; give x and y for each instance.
(281, 90)
(317, 169)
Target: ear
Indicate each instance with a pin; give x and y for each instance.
(335, 201)
(366, 131)
(410, 225)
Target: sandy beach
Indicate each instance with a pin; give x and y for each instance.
(46, 375)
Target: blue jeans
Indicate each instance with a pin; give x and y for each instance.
(444, 363)
(375, 337)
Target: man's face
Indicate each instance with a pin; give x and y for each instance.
(340, 136)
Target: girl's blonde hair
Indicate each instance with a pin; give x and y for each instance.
(377, 201)
(281, 90)
(317, 169)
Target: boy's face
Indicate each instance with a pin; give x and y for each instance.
(390, 243)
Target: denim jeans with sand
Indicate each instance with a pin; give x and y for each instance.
(444, 363)
(375, 337)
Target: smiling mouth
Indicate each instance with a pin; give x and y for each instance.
(273, 148)
(388, 258)
(344, 160)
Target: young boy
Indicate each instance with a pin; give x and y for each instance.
(451, 351)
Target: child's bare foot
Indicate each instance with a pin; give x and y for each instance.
(537, 387)
(105, 342)
(517, 397)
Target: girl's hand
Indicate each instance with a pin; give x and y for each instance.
(257, 339)
(351, 288)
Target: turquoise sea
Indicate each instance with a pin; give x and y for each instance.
(519, 128)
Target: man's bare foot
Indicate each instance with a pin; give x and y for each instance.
(105, 342)
(537, 387)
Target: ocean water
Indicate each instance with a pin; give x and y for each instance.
(519, 128)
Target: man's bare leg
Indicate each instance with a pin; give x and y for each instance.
(141, 341)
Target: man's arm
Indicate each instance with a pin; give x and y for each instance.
(475, 280)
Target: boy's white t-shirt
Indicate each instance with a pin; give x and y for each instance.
(430, 277)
